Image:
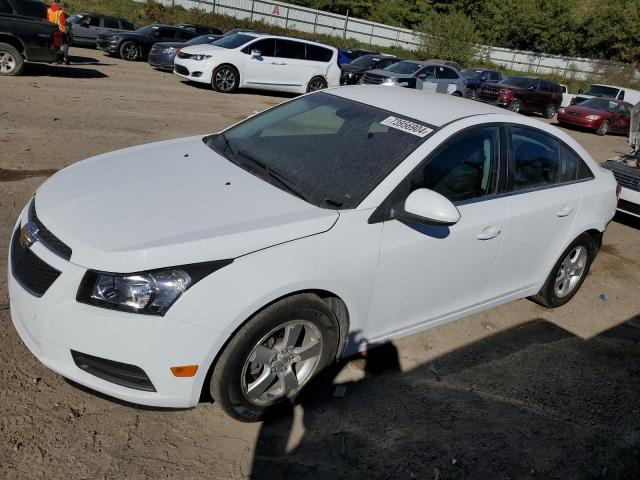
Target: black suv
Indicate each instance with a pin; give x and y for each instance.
(84, 28)
(351, 72)
(24, 35)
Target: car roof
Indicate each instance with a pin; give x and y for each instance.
(432, 108)
(284, 37)
(101, 15)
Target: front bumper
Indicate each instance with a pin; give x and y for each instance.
(162, 61)
(107, 46)
(195, 71)
(629, 202)
(580, 121)
(55, 324)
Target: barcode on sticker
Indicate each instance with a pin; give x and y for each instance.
(407, 126)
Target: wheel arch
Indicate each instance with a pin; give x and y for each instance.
(335, 302)
(14, 42)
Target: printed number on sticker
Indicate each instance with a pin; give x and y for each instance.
(407, 126)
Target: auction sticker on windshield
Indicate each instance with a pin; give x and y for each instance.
(407, 126)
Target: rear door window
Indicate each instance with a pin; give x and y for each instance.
(5, 7)
(446, 73)
(126, 25)
(111, 23)
(166, 33)
(290, 49)
(537, 160)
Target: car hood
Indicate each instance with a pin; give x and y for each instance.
(348, 67)
(584, 111)
(388, 74)
(169, 203)
(206, 48)
(168, 44)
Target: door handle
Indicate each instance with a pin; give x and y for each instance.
(565, 211)
(488, 233)
(278, 63)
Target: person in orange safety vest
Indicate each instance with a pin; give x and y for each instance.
(56, 14)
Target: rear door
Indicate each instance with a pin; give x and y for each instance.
(543, 201)
(426, 79)
(531, 97)
(446, 80)
(294, 70)
(260, 71)
(109, 24)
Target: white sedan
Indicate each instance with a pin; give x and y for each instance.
(244, 262)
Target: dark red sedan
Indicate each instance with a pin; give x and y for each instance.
(601, 115)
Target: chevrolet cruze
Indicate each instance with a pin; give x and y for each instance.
(244, 262)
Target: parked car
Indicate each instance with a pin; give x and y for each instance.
(262, 61)
(163, 54)
(25, 35)
(476, 77)
(400, 74)
(523, 94)
(83, 28)
(137, 44)
(346, 56)
(448, 63)
(566, 96)
(200, 29)
(440, 78)
(352, 72)
(601, 115)
(607, 91)
(626, 169)
(333, 222)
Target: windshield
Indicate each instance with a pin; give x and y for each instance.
(404, 67)
(74, 18)
(519, 82)
(366, 61)
(147, 29)
(325, 149)
(599, 104)
(601, 91)
(203, 39)
(233, 41)
(470, 72)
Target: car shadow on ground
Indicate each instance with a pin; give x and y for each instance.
(248, 91)
(531, 402)
(62, 71)
(79, 60)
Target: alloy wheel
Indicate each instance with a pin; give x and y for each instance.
(7, 63)
(570, 271)
(131, 51)
(316, 84)
(225, 79)
(282, 362)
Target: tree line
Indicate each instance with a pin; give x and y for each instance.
(604, 29)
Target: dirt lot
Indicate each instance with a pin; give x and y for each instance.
(516, 392)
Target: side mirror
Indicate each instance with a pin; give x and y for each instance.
(256, 53)
(426, 206)
(532, 89)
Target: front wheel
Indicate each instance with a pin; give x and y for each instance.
(11, 61)
(515, 105)
(568, 273)
(274, 356)
(130, 51)
(550, 111)
(316, 83)
(603, 128)
(225, 79)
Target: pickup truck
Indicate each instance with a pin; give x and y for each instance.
(25, 35)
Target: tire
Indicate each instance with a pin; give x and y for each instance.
(515, 105)
(456, 94)
(11, 61)
(225, 79)
(551, 110)
(552, 296)
(316, 83)
(257, 351)
(130, 51)
(603, 128)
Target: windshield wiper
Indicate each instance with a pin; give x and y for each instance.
(281, 179)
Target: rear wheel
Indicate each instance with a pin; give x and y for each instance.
(456, 94)
(225, 79)
(316, 83)
(515, 105)
(568, 273)
(603, 128)
(550, 111)
(11, 61)
(274, 356)
(130, 51)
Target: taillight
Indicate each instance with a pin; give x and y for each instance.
(618, 191)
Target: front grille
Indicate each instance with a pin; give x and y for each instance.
(47, 238)
(629, 207)
(488, 93)
(129, 376)
(575, 114)
(32, 273)
(627, 177)
(181, 70)
(372, 79)
(155, 49)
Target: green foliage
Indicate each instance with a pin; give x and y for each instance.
(448, 36)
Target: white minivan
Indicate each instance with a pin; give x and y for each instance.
(269, 62)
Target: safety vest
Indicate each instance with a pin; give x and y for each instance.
(57, 16)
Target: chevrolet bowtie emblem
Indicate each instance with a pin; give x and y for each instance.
(28, 235)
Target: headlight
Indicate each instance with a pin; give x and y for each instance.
(593, 117)
(561, 110)
(200, 57)
(390, 80)
(150, 293)
(170, 50)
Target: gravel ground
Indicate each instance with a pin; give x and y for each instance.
(513, 393)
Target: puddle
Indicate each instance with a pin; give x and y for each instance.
(10, 175)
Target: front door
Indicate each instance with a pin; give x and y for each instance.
(428, 273)
(260, 71)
